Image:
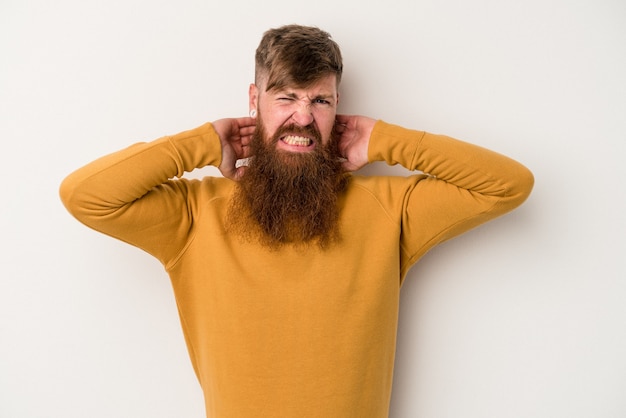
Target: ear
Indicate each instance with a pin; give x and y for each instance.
(253, 97)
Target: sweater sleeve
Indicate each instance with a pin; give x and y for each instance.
(463, 185)
(131, 195)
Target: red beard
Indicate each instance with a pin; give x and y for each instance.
(289, 197)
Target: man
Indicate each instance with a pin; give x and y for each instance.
(287, 271)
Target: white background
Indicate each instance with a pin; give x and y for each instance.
(523, 317)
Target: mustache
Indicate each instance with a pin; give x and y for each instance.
(309, 131)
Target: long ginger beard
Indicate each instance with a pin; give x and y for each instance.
(288, 197)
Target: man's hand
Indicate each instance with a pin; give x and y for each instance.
(354, 138)
(235, 135)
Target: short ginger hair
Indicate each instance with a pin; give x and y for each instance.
(295, 55)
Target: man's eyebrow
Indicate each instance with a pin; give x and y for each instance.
(293, 95)
(328, 97)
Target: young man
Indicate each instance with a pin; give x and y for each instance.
(287, 271)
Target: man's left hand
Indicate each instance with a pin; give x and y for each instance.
(354, 137)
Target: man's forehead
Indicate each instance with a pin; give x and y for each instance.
(325, 87)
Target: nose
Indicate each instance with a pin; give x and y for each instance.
(303, 114)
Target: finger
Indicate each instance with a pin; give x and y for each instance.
(342, 119)
(246, 121)
(247, 131)
(239, 172)
(245, 141)
(348, 166)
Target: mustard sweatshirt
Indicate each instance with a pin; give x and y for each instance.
(293, 333)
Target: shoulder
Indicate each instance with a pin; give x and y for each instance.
(388, 192)
(205, 187)
(381, 185)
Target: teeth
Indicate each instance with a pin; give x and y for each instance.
(297, 140)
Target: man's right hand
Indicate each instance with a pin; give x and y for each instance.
(235, 135)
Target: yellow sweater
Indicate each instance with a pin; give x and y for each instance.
(293, 333)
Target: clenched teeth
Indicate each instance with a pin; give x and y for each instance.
(300, 141)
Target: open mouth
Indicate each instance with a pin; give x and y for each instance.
(297, 141)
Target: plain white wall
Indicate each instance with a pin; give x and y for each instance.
(523, 317)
